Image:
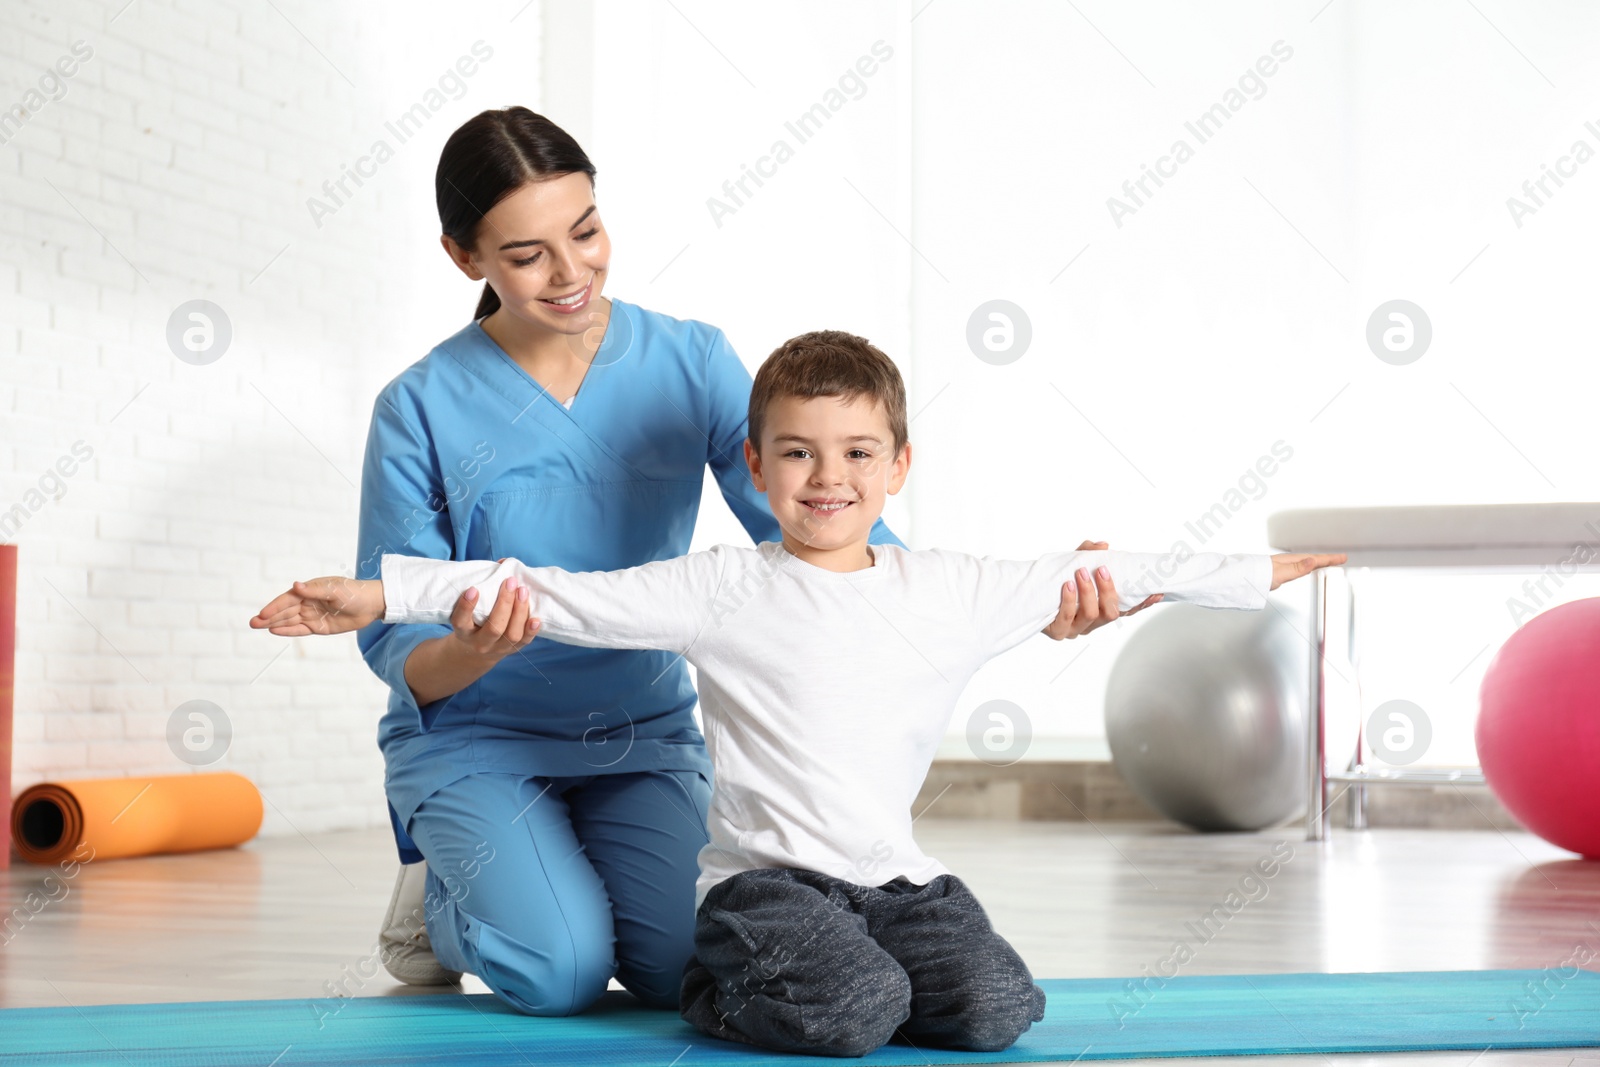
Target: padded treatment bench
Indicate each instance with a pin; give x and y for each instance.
(1562, 538)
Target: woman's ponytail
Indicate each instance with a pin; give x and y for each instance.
(488, 303)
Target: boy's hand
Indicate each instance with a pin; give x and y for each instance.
(332, 605)
(1085, 612)
(1287, 566)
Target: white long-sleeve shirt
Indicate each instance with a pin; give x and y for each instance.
(823, 695)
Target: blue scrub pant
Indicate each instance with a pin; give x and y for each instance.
(546, 888)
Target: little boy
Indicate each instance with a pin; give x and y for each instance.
(828, 672)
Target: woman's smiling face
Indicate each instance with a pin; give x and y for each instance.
(545, 252)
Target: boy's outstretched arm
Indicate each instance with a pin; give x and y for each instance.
(1011, 599)
(659, 605)
(663, 604)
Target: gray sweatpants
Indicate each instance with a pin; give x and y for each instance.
(796, 961)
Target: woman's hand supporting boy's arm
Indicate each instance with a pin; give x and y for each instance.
(447, 665)
(1096, 606)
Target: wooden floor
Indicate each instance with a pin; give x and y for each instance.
(285, 917)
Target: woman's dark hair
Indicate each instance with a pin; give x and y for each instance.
(490, 157)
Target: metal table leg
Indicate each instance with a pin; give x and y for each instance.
(1357, 819)
(1316, 709)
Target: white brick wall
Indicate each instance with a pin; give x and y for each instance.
(188, 143)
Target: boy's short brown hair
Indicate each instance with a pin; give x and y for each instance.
(829, 363)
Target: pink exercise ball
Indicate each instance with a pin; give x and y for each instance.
(1539, 726)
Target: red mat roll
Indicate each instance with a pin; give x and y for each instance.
(116, 817)
(8, 644)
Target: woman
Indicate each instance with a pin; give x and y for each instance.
(558, 794)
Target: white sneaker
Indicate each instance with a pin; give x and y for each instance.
(403, 944)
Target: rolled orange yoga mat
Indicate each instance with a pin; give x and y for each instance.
(116, 817)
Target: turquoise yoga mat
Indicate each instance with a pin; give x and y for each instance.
(1093, 1018)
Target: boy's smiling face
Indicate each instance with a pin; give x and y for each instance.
(827, 464)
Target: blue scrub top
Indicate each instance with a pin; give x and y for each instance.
(469, 458)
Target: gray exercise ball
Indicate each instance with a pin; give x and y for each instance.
(1206, 716)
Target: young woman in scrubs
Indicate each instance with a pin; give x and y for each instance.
(558, 794)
